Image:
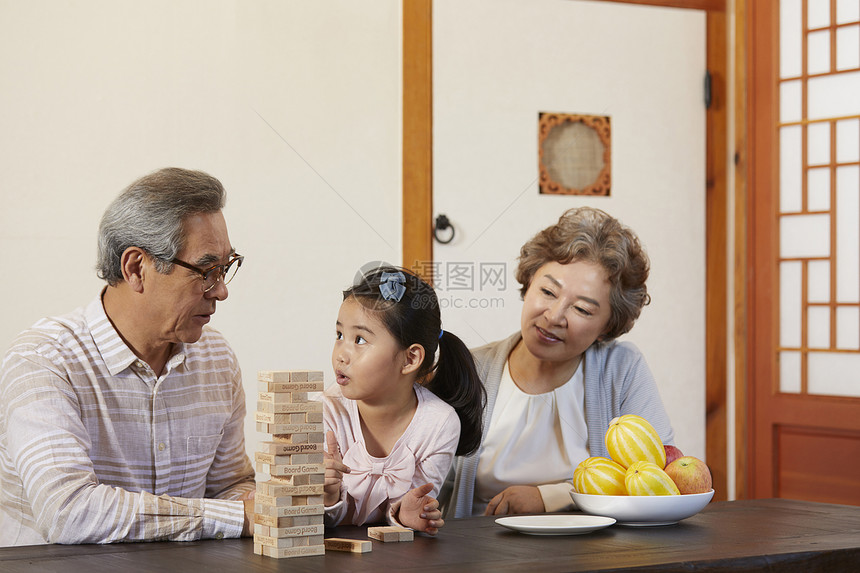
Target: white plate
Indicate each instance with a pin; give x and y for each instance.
(555, 524)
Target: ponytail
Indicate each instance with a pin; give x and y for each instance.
(456, 381)
(409, 308)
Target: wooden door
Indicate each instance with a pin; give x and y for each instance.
(418, 193)
(803, 338)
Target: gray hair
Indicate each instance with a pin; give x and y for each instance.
(149, 214)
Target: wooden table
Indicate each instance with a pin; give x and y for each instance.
(754, 535)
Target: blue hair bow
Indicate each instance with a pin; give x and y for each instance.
(391, 286)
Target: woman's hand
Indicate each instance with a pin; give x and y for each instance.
(419, 511)
(516, 499)
(334, 470)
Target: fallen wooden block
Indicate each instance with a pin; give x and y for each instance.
(390, 533)
(350, 545)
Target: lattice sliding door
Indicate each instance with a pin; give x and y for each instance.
(819, 197)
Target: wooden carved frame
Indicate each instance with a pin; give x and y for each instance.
(602, 126)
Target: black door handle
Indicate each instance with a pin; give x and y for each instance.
(443, 224)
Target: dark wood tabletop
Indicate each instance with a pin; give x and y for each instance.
(750, 535)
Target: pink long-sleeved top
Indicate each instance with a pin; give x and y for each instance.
(423, 454)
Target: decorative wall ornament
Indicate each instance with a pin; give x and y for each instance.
(574, 154)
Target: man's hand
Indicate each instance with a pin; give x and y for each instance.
(420, 511)
(516, 499)
(248, 527)
(334, 470)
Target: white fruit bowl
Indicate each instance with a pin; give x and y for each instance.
(643, 510)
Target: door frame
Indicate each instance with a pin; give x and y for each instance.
(418, 193)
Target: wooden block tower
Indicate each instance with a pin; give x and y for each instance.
(289, 505)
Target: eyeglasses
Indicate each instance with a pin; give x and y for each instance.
(215, 273)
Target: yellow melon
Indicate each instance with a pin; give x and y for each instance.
(631, 438)
(646, 478)
(599, 476)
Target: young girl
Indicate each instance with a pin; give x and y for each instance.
(397, 416)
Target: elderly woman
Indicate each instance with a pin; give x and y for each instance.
(554, 386)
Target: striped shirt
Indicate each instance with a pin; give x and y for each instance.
(95, 448)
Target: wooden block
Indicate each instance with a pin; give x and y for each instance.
(285, 513)
(289, 381)
(268, 541)
(290, 536)
(318, 519)
(265, 458)
(267, 488)
(298, 375)
(282, 532)
(277, 488)
(309, 479)
(302, 498)
(278, 398)
(298, 390)
(350, 545)
(289, 459)
(299, 438)
(285, 449)
(282, 429)
(277, 406)
(289, 391)
(298, 506)
(291, 551)
(273, 375)
(270, 487)
(287, 417)
(289, 375)
(293, 439)
(390, 533)
(278, 526)
(298, 531)
(272, 501)
(292, 470)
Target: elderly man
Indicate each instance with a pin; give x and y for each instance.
(123, 421)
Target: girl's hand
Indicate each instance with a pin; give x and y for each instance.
(516, 499)
(334, 470)
(420, 511)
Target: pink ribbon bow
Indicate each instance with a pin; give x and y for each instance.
(373, 481)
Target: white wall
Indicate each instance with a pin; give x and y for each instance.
(295, 106)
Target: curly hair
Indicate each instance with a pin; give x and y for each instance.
(592, 235)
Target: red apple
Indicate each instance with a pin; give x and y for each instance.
(690, 474)
(672, 454)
